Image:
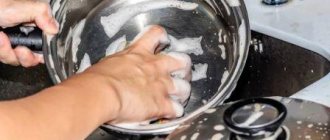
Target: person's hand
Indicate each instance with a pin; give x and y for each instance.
(141, 78)
(15, 12)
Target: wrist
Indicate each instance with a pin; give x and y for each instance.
(99, 89)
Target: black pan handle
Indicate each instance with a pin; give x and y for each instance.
(28, 36)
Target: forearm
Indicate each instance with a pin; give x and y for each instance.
(68, 111)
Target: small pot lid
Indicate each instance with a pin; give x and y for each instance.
(276, 118)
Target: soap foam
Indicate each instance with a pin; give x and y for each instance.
(223, 51)
(76, 38)
(186, 60)
(182, 90)
(233, 3)
(56, 6)
(220, 36)
(217, 136)
(84, 64)
(26, 29)
(116, 46)
(115, 21)
(186, 45)
(200, 72)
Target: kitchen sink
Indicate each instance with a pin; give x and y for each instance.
(19, 82)
(273, 68)
(278, 68)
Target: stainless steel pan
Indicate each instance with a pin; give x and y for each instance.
(222, 24)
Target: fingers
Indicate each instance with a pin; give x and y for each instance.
(17, 56)
(150, 39)
(7, 54)
(177, 109)
(181, 70)
(26, 11)
(27, 58)
(182, 90)
(173, 109)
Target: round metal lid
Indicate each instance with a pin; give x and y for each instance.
(255, 118)
(304, 120)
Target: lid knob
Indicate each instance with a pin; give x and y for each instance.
(255, 118)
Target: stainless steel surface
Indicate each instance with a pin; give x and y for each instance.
(280, 70)
(256, 118)
(274, 2)
(305, 120)
(277, 68)
(206, 21)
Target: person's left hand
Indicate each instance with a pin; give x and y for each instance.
(15, 12)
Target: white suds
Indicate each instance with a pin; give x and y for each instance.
(76, 38)
(219, 127)
(194, 136)
(84, 64)
(115, 21)
(186, 45)
(26, 29)
(182, 90)
(217, 136)
(116, 46)
(225, 38)
(56, 7)
(242, 37)
(224, 77)
(183, 58)
(223, 52)
(183, 137)
(233, 3)
(200, 72)
(220, 36)
(261, 48)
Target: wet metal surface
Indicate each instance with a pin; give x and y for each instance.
(305, 120)
(277, 68)
(281, 69)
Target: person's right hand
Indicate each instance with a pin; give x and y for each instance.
(141, 79)
(15, 12)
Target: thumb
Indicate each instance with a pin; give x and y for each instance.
(26, 11)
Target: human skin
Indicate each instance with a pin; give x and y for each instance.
(15, 12)
(131, 86)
